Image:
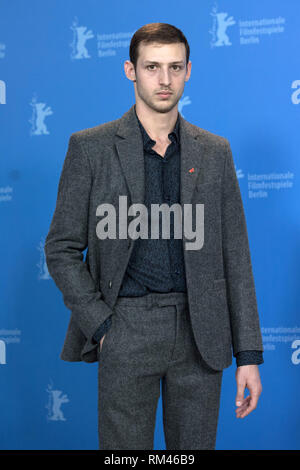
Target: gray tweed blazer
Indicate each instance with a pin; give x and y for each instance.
(106, 161)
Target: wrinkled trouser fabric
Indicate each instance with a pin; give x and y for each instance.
(151, 340)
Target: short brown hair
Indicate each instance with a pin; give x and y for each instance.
(163, 33)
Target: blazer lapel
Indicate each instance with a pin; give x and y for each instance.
(129, 146)
(192, 161)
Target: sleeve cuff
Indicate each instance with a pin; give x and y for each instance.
(245, 358)
(103, 328)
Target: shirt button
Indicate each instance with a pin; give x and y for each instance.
(110, 284)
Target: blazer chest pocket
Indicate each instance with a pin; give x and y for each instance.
(208, 193)
(208, 185)
(220, 283)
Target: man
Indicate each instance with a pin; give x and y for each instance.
(156, 309)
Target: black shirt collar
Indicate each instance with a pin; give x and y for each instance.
(148, 142)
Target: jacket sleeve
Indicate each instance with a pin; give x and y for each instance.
(68, 238)
(242, 302)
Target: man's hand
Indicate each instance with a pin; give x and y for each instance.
(101, 341)
(247, 376)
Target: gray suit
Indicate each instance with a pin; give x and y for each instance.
(220, 284)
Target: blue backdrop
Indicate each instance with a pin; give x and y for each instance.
(61, 70)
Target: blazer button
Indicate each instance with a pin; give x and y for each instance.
(110, 284)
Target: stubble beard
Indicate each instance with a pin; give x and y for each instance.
(152, 101)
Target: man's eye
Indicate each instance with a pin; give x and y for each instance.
(177, 67)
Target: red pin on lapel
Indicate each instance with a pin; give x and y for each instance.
(191, 170)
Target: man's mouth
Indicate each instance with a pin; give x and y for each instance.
(164, 94)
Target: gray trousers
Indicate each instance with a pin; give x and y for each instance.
(151, 340)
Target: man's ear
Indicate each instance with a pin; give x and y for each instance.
(189, 69)
(129, 70)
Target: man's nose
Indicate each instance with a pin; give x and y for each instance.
(164, 77)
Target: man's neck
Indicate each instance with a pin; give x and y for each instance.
(157, 125)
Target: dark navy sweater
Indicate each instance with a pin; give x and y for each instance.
(157, 265)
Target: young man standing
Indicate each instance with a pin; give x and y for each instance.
(152, 309)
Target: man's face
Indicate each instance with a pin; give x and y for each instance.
(161, 67)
